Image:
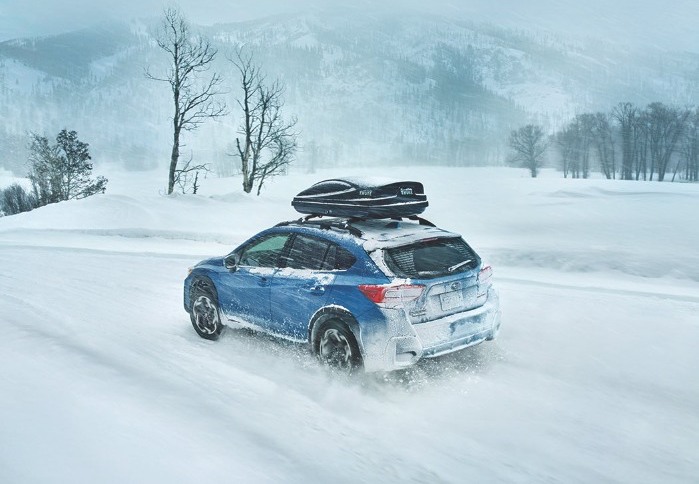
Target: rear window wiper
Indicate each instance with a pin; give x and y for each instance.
(459, 265)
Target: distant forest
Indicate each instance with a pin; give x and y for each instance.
(632, 143)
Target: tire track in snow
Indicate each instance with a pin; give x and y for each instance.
(187, 373)
(111, 251)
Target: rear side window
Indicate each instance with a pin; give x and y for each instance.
(431, 258)
(317, 254)
(337, 259)
(306, 253)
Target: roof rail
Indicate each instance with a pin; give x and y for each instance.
(346, 223)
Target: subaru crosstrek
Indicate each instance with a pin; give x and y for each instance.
(377, 294)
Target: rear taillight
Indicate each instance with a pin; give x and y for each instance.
(391, 295)
(484, 275)
(484, 280)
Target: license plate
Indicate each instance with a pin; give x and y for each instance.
(451, 300)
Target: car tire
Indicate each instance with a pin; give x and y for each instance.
(205, 314)
(337, 347)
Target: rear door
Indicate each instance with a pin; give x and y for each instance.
(301, 286)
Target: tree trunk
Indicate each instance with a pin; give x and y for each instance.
(677, 167)
(630, 139)
(248, 175)
(174, 158)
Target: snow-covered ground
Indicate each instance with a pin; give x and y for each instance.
(593, 377)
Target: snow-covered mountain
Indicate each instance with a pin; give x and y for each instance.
(366, 87)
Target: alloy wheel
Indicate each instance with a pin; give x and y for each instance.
(335, 350)
(205, 315)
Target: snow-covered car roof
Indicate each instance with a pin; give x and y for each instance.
(379, 234)
(373, 234)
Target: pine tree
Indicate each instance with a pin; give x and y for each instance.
(62, 171)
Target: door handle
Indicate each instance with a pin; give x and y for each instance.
(318, 290)
(262, 281)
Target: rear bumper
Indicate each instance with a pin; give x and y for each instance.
(459, 331)
(407, 343)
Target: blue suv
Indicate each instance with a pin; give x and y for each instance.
(377, 294)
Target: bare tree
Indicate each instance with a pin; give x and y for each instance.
(575, 141)
(585, 124)
(626, 115)
(690, 147)
(665, 126)
(266, 142)
(194, 99)
(567, 140)
(639, 143)
(529, 145)
(604, 143)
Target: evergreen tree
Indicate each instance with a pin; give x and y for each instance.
(62, 171)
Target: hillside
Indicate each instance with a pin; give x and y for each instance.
(366, 87)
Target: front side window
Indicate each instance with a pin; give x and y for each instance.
(264, 253)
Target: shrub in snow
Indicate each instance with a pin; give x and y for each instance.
(15, 199)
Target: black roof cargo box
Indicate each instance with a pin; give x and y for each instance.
(362, 198)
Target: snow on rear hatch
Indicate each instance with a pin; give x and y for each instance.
(447, 267)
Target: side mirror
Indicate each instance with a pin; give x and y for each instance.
(231, 262)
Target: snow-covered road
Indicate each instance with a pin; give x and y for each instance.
(102, 379)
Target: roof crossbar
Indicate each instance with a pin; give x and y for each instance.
(346, 224)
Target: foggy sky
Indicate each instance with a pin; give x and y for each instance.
(668, 24)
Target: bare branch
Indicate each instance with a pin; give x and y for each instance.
(187, 177)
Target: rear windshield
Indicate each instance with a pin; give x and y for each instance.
(431, 258)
